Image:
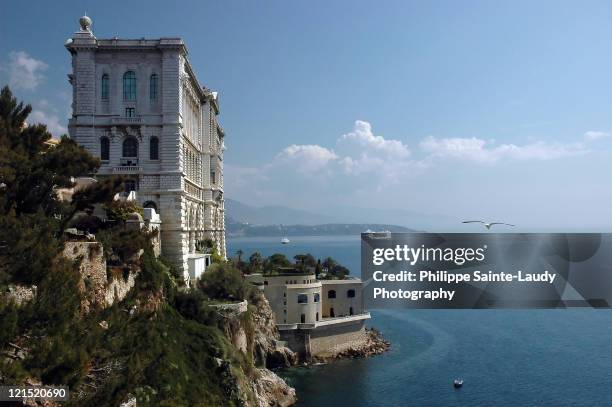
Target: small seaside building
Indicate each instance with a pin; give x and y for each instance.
(315, 317)
(139, 107)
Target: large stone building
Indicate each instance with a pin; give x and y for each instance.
(138, 106)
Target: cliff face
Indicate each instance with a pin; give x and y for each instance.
(266, 351)
(101, 285)
(245, 378)
(253, 332)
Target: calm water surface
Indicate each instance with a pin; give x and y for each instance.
(506, 357)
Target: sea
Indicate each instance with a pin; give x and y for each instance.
(505, 357)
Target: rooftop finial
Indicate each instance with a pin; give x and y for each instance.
(85, 23)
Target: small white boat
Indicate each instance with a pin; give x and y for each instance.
(284, 240)
(458, 383)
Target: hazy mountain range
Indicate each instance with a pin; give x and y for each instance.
(272, 215)
(247, 220)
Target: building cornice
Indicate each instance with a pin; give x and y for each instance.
(87, 40)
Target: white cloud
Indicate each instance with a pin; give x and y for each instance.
(361, 168)
(363, 153)
(54, 125)
(24, 72)
(363, 135)
(307, 158)
(596, 135)
(478, 150)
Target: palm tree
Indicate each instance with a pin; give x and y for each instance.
(255, 260)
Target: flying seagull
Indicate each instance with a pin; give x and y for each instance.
(486, 225)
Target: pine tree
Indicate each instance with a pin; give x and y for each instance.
(32, 217)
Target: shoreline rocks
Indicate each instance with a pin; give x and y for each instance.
(272, 391)
(374, 344)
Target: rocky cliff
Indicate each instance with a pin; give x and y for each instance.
(252, 331)
(100, 284)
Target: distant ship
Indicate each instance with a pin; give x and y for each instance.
(284, 240)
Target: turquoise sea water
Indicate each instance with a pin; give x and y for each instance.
(506, 357)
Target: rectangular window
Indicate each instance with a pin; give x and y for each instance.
(129, 85)
(130, 112)
(302, 299)
(213, 177)
(153, 87)
(104, 87)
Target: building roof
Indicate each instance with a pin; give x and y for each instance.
(353, 280)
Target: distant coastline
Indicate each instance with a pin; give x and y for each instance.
(240, 229)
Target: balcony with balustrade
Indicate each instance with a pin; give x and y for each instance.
(127, 165)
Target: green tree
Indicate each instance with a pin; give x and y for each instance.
(334, 269)
(275, 261)
(318, 267)
(224, 282)
(329, 263)
(32, 217)
(31, 169)
(305, 259)
(255, 262)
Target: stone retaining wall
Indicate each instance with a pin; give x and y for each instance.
(334, 339)
(326, 341)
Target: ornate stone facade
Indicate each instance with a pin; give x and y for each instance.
(138, 105)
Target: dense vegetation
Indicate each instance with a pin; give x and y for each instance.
(328, 268)
(162, 343)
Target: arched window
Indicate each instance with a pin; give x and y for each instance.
(130, 147)
(351, 311)
(316, 297)
(153, 87)
(150, 204)
(350, 293)
(104, 87)
(104, 149)
(331, 294)
(129, 85)
(154, 148)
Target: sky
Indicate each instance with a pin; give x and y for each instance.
(452, 109)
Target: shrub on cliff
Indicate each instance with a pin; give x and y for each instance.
(119, 211)
(224, 282)
(120, 244)
(194, 305)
